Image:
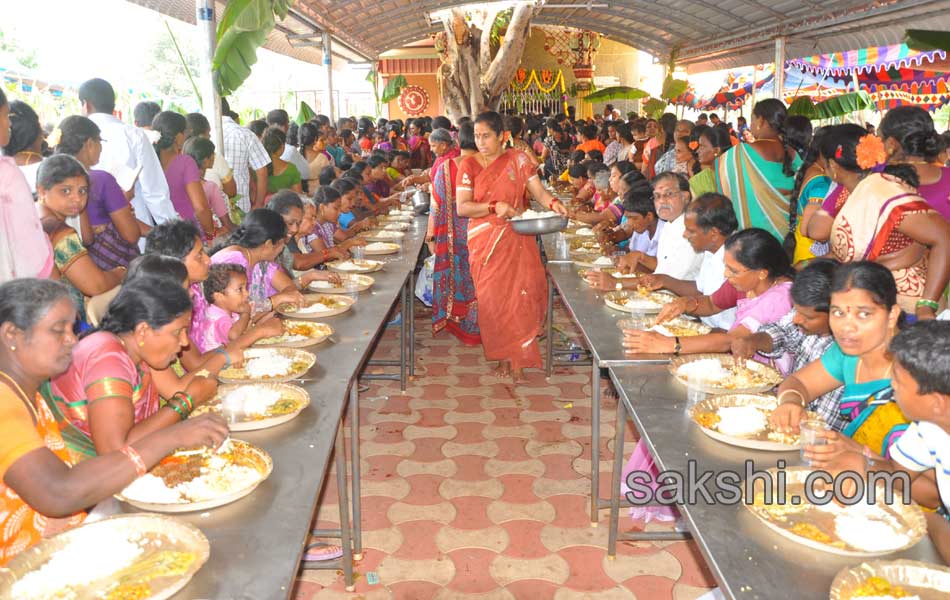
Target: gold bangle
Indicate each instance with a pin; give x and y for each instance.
(792, 391)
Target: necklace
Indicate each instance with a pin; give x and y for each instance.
(28, 154)
(857, 370)
(12, 384)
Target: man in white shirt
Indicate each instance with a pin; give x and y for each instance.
(709, 221)
(279, 118)
(127, 154)
(674, 256)
(245, 153)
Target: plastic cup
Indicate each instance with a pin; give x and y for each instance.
(562, 248)
(351, 287)
(810, 434)
(358, 252)
(695, 389)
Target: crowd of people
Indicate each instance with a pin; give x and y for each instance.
(139, 260)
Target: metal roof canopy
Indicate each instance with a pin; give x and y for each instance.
(297, 36)
(706, 34)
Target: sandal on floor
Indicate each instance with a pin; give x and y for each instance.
(321, 551)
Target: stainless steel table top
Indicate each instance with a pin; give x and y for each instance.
(597, 321)
(258, 541)
(748, 559)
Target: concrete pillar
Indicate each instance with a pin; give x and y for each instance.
(210, 100)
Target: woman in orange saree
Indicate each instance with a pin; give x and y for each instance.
(506, 267)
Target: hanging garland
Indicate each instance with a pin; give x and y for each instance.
(547, 81)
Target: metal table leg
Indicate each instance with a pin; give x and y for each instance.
(412, 330)
(549, 341)
(403, 378)
(340, 453)
(355, 461)
(615, 481)
(594, 443)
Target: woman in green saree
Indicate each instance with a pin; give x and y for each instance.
(759, 177)
(864, 316)
(713, 142)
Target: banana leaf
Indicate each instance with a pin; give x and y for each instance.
(924, 39)
(232, 10)
(393, 87)
(654, 107)
(837, 106)
(619, 92)
(673, 88)
(304, 114)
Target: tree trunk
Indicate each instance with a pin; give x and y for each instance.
(470, 79)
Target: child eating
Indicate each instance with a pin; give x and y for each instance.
(228, 314)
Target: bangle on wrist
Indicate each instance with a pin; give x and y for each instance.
(928, 303)
(136, 460)
(173, 404)
(227, 357)
(492, 207)
(797, 393)
(186, 398)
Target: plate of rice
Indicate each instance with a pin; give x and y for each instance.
(723, 374)
(638, 301)
(355, 266)
(381, 248)
(742, 420)
(317, 306)
(192, 480)
(274, 365)
(297, 334)
(137, 556)
(363, 283)
(253, 406)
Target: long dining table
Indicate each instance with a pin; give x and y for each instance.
(747, 559)
(258, 542)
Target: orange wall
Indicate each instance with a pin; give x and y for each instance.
(431, 86)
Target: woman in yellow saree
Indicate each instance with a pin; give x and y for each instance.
(759, 177)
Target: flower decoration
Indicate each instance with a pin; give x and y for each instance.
(54, 138)
(693, 145)
(870, 152)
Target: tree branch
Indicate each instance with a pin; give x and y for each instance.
(503, 66)
(484, 48)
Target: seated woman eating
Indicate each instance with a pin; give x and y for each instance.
(757, 270)
(110, 395)
(41, 491)
(62, 188)
(255, 245)
(605, 210)
(182, 240)
(864, 317)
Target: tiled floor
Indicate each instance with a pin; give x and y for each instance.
(474, 488)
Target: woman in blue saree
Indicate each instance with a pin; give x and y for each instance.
(453, 294)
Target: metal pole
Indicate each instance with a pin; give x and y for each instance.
(779, 80)
(210, 100)
(328, 65)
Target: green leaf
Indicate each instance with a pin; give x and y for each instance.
(619, 92)
(304, 114)
(232, 10)
(393, 87)
(924, 39)
(838, 106)
(673, 88)
(654, 107)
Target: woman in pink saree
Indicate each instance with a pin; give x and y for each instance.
(506, 267)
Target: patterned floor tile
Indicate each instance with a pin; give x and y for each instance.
(474, 488)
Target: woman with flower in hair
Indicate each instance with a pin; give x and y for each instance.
(884, 219)
(684, 154)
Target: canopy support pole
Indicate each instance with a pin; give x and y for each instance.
(779, 81)
(210, 100)
(328, 65)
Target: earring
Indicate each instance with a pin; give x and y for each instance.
(12, 348)
(141, 344)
